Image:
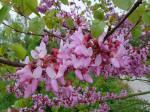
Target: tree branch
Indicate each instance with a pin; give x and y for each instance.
(135, 80)
(138, 21)
(133, 95)
(123, 19)
(126, 97)
(28, 33)
(10, 63)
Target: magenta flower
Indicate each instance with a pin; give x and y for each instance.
(85, 76)
(40, 51)
(30, 79)
(54, 75)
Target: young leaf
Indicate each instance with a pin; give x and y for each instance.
(99, 15)
(124, 4)
(2, 50)
(21, 103)
(97, 28)
(3, 12)
(70, 23)
(8, 31)
(146, 18)
(136, 33)
(65, 2)
(19, 50)
(21, 7)
(36, 25)
(51, 20)
(32, 5)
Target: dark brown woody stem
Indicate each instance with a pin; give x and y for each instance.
(123, 19)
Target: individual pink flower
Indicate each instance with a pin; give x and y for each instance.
(40, 51)
(54, 75)
(85, 76)
(30, 79)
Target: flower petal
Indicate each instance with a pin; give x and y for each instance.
(34, 54)
(115, 62)
(79, 75)
(50, 72)
(54, 85)
(34, 85)
(28, 91)
(98, 60)
(88, 78)
(37, 72)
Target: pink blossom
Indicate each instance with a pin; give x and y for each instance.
(40, 51)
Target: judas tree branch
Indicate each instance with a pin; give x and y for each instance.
(10, 63)
(133, 95)
(28, 33)
(135, 80)
(123, 19)
(126, 97)
(134, 26)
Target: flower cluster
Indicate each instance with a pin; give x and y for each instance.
(83, 55)
(68, 97)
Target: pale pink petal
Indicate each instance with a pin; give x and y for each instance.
(39, 63)
(27, 61)
(61, 71)
(28, 91)
(34, 54)
(90, 51)
(78, 74)
(25, 71)
(43, 53)
(34, 85)
(97, 71)
(115, 62)
(42, 50)
(88, 78)
(37, 72)
(101, 38)
(50, 72)
(98, 60)
(54, 85)
(62, 81)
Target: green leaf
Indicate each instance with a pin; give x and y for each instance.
(97, 28)
(19, 50)
(2, 50)
(5, 2)
(65, 2)
(32, 5)
(146, 18)
(21, 7)
(70, 23)
(99, 15)
(8, 31)
(36, 25)
(21, 103)
(51, 20)
(3, 12)
(17, 27)
(136, 33)
(124, 4)
(136, 14)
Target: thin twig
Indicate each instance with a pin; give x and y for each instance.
(133, 95)
(136, 79)
(28, 33)
(123, 19)
(10, 63)
(138, 21)
(126, 97)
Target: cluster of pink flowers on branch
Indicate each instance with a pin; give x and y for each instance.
(74, 98)
(83, 55)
